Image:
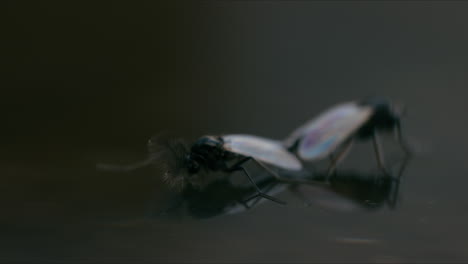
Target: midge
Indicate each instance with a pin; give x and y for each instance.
(184, 166)
(333, 132)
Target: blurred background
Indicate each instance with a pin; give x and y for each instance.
(86, 82)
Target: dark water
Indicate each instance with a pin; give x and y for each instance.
(91, 82)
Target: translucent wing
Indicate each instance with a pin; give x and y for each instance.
(320, 136)
(262, 149)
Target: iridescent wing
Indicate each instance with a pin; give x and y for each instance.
(321, 135)
(262, 149)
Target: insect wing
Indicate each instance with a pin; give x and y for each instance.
(320, 136)
(262, 149)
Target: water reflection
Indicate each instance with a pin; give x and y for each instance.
(351, 189)
(345, 190)
(220, 197)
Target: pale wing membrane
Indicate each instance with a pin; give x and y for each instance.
(317, 121)
(262, 149)
(326, 132)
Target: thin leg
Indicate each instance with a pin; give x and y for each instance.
(266, 190)
(270, 171)
(244, 203)
(399, 138)
(404, 147)
(238, 166)
(392, 201)
(259, 192)
(339, 157)
(379, 154)
(277, 176)
(403, 167)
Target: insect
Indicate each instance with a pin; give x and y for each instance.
(333, 132)
(188, 166)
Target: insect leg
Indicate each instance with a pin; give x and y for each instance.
(392, 201)
(277, 176)
(379, 154)
(339, 157)
(404, 146)
(245, 203)
(403, 166)
(399, 138)
(266, 190)
(259, 192)
(238, 166)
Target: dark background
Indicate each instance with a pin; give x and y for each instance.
(85, 82)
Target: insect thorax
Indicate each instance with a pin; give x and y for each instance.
(208, 152)
(383, 117)
(294, 145)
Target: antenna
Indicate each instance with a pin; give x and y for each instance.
(125, 168)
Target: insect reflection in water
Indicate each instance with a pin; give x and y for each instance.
(220, 197)
(344, 191)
